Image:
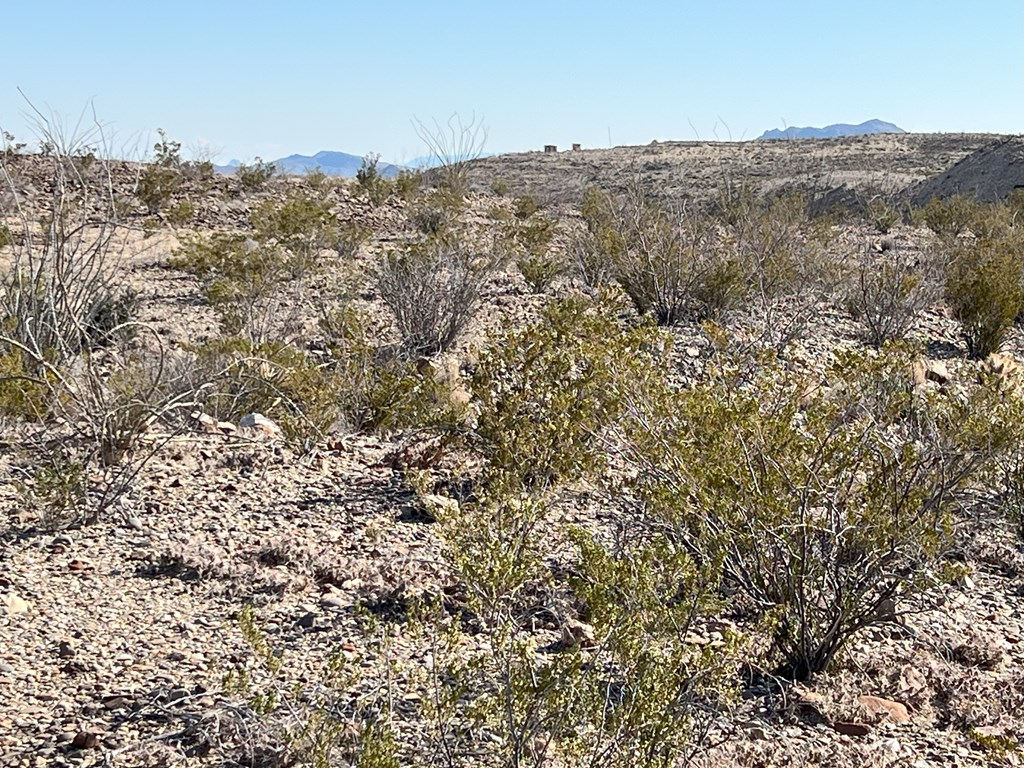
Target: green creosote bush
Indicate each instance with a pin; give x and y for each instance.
(820, 504)
(433, 288)
(500, 187)
(344, 717)
(240, 278)
(593, 251)
(640, 691)
(985, 291)
(525, 206)
(316, 179)
(356, 386)
(674, 264)
(254, 177)
(882, 213)
(530, 242)
(886, 293)
(370, 182)
(435, 212)
(544, 394)
(160, 180)
(300, 223)
(181, 213)
(948, 217)
(408, 184)
(383, 391)
(283, 383)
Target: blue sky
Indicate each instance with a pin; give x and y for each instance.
(272, 78)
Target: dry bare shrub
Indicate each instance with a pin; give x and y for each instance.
(433, 288)
(672, 263)
(66, 342)
(783, 270)
(887, 292)
(452, 147)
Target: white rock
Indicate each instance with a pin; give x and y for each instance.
(257, 422)
(12, 605)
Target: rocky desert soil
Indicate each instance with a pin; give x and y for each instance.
(116, 637)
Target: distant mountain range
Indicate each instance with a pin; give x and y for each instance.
(832, 131)
(331, 163)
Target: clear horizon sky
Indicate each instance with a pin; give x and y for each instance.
(269, 79)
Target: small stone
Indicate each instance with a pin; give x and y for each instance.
(575, 632)
(307, 620)
(13, 605)
(937, 371)
(879, 709)
(257, 422)
(85, 740)
(851, 729)
(336, 602)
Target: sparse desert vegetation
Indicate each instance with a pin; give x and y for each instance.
(502, 466)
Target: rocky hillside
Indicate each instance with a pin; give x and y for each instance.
(278, 524)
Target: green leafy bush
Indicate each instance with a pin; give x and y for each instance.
(818, 503)
(956, 215)
(984, 290)
(882, 213)
(161, 179)
(240, 278)
(545, 393)
(302, 224)
(370, 183)
(254, 177)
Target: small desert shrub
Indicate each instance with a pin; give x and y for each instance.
(984, 290)
(300, 223)
(254, 177)
(279, 381)
(500, 187)
(382, 391)
(181, 213)
(882, 213)
(818, 503)
(316, 179)
(157, 187)
(112, 317)
(593, 252)
(784, 272)
(6, 238)
(887, 292)
(56, 486)
(343, 718)
(241, 278)
(161, 179)
(370, 183)
(674, 264)
(525, 206)
(408, 184)
(544, 394)
(950, 216)
(433, 287)
(530, 243)
(25, 387)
